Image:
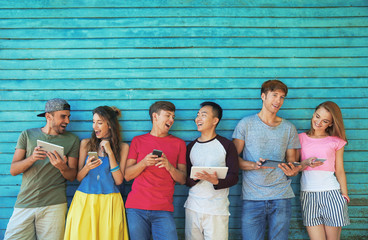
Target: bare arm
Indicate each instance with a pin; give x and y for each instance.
(20, 164)
(179, 174)
(134, 169)
(288, 168)
(340, 171)
(66, 166)
(244, 164)
(119, 175)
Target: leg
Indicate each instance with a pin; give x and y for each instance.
(163, 225)
(50, 222)
(279, 218)
(21, 224)
(193, 225)
(333, 233)
(253, 220)
(216, 227)
(138, 224)
(316, 232)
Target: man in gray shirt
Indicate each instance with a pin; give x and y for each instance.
(266, 191)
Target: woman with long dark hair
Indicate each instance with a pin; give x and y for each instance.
(97, 210)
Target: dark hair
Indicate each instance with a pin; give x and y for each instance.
(161, 105)
(216, 109)
(337, 129)
(110, 114)
(272, 85)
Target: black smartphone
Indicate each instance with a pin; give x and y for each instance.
(157, 152)
(296, 163)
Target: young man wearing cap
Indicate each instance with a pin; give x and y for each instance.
(40, 209)
(149, 205)
(207, 207)
(267, 192)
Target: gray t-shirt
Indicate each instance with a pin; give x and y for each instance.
(263, 141)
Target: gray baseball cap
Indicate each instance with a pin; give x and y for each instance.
(55, 104)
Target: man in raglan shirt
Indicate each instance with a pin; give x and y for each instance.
(149, 205)
(207, 207)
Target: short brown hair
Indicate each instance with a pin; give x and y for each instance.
(272, 85)
(161, 105)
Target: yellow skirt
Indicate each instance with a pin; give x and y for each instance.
(96, 216)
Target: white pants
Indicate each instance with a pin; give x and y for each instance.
(199, 226)
(37, 223)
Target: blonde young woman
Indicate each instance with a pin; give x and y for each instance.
(324, 194)
(97, 210)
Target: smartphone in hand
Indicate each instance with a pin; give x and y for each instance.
(157, 152)
(91, 154)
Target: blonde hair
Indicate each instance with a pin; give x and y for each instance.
(337, 129)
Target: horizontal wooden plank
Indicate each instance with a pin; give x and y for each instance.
(308, 84)
(350, 157)
(198, 21)
(356, 229)
(187, 114)
(9, 194)
(129, 12)
(184, 32)
(354, 145)
(234, 223)
(177, 3)
(37, 105)
(338, 72)
(352, 178)
(187, 135)
(188, 42)
(35, 64)
(183, 94)
(354, 189)
(296, 211)
(180, 125)
(168, 52)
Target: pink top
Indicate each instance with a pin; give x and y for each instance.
(321, 148)
(153, 189)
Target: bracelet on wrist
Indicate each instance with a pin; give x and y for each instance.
(346, 198)
(115, 169)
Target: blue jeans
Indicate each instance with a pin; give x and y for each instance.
(142, 222)
(257, 214)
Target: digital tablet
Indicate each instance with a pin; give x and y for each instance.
(221, 171)
(50, 147)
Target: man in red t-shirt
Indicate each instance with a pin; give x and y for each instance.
(149, 205)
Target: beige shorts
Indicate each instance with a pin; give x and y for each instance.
(200, 226)
(37, 223)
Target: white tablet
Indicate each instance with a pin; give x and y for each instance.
(221, 171)
(50, 147)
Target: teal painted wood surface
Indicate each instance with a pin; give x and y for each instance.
(131, 53)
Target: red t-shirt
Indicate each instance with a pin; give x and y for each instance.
(153, 189)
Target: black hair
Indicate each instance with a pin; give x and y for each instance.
(216, 109)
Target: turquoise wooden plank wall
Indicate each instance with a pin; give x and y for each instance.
(132, 53)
